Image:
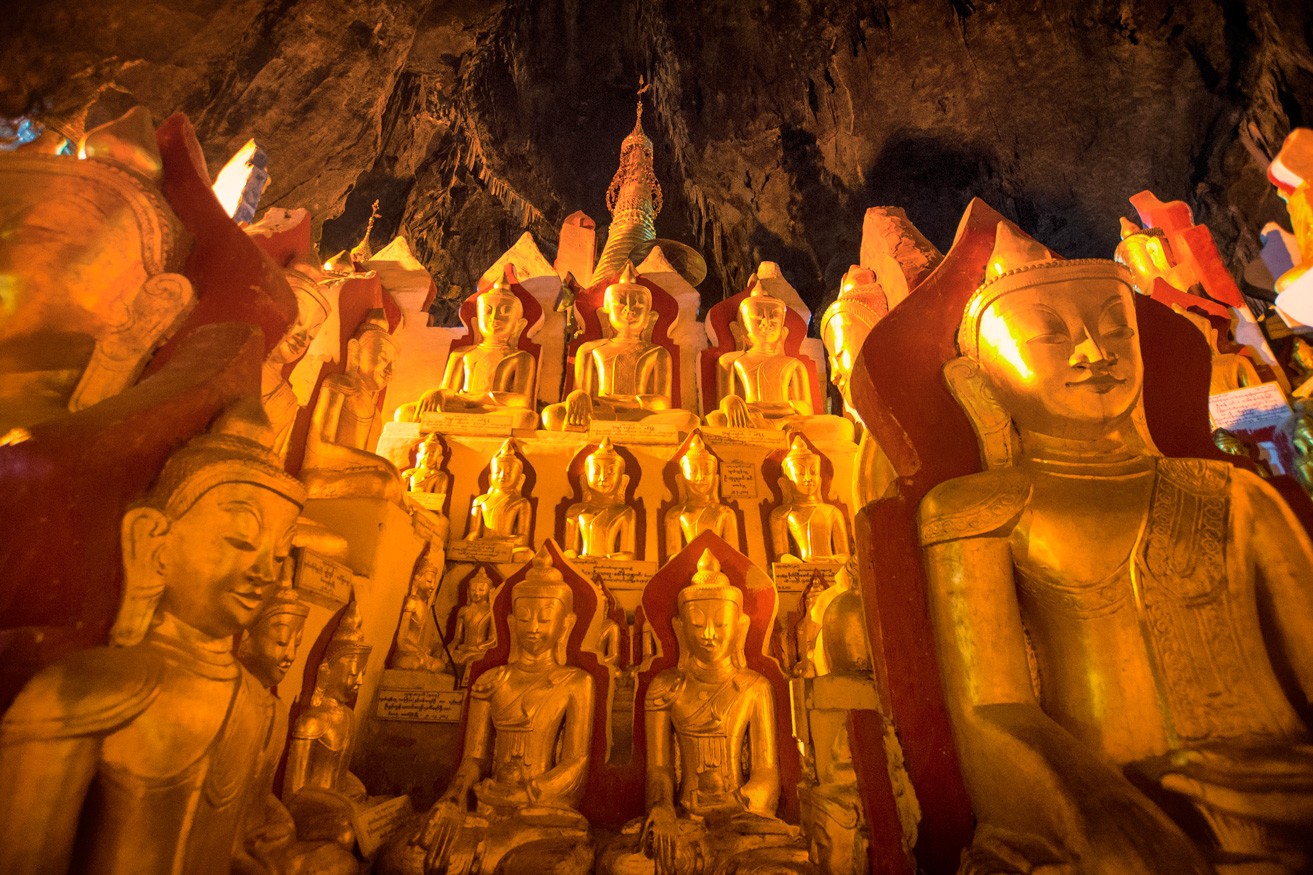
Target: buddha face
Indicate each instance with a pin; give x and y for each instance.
(377, 355)
(222, 556)
(710, 626)
(699, 474)
(805, 474)
(346, 672)
(310, 318)
(628, 308)
(843, 337)
(504, 472)
(272, 647)
(764, 321)
(1063, 359)
(499, 316)
(538, 622)
(479, 588)
(604, 473)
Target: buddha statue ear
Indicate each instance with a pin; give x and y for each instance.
(563, 643)
(992, 424)
(353, 355)
(739, 653)
(142, 536)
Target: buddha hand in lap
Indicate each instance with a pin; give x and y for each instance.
(707, 816)
(765, 387)
(602, 525)
(625, 377)
(1160, 601)
(528, 733)
(494, 376)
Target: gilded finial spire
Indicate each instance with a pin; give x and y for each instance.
(362, 251)
(634, 198)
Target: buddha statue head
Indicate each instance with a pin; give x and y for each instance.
(312, 309)
(846, 323)
(500, 315)
(269, 647)
(762, 316)
(430, 453)
(1144, 252)
(711, 626)
(604, 471)
(479, 587)
(542, 612)
(1049, 346)
(343, 668)
(699, 469)
(627, 304)
(372, 352)
(802, 468)
(506, 471)
(207, 543)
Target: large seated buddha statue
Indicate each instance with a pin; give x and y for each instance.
(763, 386)
(626, 376)
(528, 734)
(713, 778)
(1125, 639)
(494, 376)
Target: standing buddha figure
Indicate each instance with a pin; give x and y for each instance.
(280, 403)
(474, 634)
(710, 804)
(502, 513)
(494, 376)
(806, 528)
(1117, 631)
(338, 463)
(319, 789)
(525, 761)
(624, 377)
(763, 386)
(602, 525)
(699, 509)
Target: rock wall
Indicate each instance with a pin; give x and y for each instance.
(776, 123)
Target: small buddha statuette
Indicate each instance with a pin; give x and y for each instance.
(412, 649)
(269, 647)
(276, 393)
(1096, 606)
(319, 790)
(338, 463)
(494, 376)
(474, 634)
(624, 377)
(602, 525)
(806, 528)
(428, 475)
(711, 806)
(699, 509)
(526, 755)
(763, 386)
(502, 513)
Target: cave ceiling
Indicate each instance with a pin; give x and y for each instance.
(776, 124)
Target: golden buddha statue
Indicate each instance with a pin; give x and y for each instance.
(699, 509)
(806, 528)
(280, 403)
(1231, 370)
(473, 634)
(1109, 621)
(602, 525)
(625, 377)
(411, 649)
(428, 474)
(319, 790)
(527, 738)
(269, 647)
(89, 257)
(763, 386)
(716, 812)
(494, 376)
(1147, 255)
(337, 461)
(847, 321)
(502, 513)
(144, 756)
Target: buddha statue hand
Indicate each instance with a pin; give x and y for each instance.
(736, 413)
(578, 411)
(1267, 784)
(439, 833)
(429, 402)
(660, 840)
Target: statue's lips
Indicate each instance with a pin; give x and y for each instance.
(249, 599)
(1101, 383)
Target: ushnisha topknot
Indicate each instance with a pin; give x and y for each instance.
(628, 279)
(544, 580)
(375, 320)
(697, 448)
(798, 451)
(1019, 262)
(286, 602)
(349, 637)
(759, 297)
(237, 449)
(709, 582)
(605, 450)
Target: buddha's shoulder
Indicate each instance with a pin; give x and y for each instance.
(1203, 476)
(665, 688)
(91, 692)
(490, 680)
(974, 505)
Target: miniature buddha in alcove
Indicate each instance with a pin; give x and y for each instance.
(624, 377)
(276, 393)
(493, 376)
(806, 528)
(699, 509)
(411, 650)
(428, 475)
(525, 760)
(502, 513)
(602, 525)
(717, 809)
(1113, 626)
(474, 634)
(337, 461)
(763, 386)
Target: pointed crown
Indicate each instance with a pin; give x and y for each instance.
(507, 450)
(628, 279)
(697, 448)
(799, 451)
(759, 297)
(376, 320)
(635, 166)
(709, 582)
(544, 580)
(605, 451)
(285, 602)
(349, 637)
